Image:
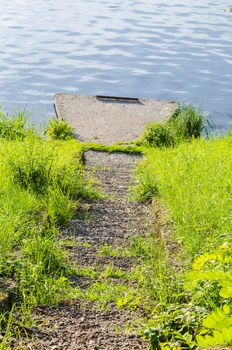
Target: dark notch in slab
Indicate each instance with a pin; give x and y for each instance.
(117, 98)
(109, 119)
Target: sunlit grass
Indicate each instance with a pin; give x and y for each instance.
(41, 182)
(194, 182)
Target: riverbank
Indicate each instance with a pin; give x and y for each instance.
(74, 247)
(192, 184)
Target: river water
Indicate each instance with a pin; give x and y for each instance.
(178, 50)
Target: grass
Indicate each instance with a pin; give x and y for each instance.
(193, 183)
(106, 250)
(12, 128)
(41, 182)
(191, 178)
(59, 130)
(118, 148)
(114, 272)
(186, 123)
(107, 292)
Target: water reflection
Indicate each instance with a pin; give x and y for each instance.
(145, 48)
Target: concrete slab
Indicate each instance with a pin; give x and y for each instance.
(106, 120)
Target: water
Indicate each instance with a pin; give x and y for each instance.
(178, 50)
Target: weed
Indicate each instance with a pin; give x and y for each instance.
(106, 250)
(86, 272)
(12, 128)
(59, 130)
(60, 209)
(36, 287)
(147, 186)
(188, 122)
(44, 251)
(113, 272)
(157, 135)
(193, 181)
(32, 169)
(106, 292)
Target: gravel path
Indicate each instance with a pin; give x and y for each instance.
(110, 222)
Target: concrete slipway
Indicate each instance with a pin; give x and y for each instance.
(106, 120)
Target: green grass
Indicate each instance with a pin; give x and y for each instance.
(114, 272)
(41, 182)
(191, 178)
(106, 250)
(194, 182)
(58, 129)
(107, 292)
(17, 127)
(186, 123)
(117, 147)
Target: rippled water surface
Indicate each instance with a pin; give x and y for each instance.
(169, 50)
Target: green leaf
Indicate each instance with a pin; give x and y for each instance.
(226, 292)
(227, 334)
(209, 322)
(226, 309)
(210, 340)
(218, 336)
(226, 323)
(201, 341)
(214, 318)
(218, 315)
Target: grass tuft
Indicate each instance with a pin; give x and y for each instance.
(158, 135)
(12, 128)
(186, 123)
(59, 130)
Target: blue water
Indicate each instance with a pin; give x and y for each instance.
(178, 50)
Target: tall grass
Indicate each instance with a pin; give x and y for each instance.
(16, 127)
(193, 181)
(186, 123)
(41, 182)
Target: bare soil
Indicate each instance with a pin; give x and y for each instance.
(110, 221)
